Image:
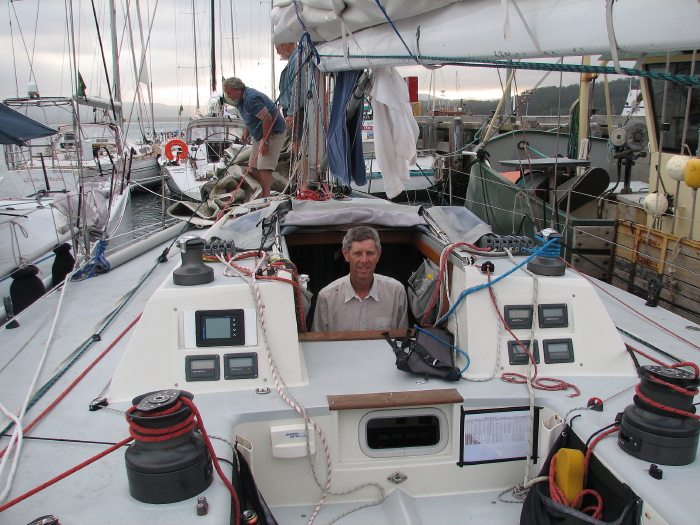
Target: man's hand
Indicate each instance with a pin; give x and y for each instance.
(289, 121)
(264, 149)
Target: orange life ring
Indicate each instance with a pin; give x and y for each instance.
(169, 149)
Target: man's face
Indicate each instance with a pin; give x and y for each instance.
(234, 95)
(282, 51)
(362, 257)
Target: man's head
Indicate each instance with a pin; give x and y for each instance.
(361, 249)
(233, 88)
(285, 51)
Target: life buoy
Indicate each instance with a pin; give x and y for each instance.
(173, 143)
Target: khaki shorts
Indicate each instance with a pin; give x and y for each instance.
(269, 161)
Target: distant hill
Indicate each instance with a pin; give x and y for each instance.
(546, 100)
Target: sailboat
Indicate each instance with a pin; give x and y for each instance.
(200, 395)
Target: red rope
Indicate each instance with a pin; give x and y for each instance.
(234, 496)
(441, 271)
(635, 311)
(158, 435)
(301, 318)
(251, 162)
(558, 495)
(77, 379)
(541, 383)
(65, 474)
(681, 390)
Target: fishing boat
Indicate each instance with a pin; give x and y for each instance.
(191, 389)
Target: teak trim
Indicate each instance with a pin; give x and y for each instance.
(394, 399)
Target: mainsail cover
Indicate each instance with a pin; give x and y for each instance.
(488, 29)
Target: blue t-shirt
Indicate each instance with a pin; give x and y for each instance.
(251, 104)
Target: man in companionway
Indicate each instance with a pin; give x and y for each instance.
(264, 122)
(362, 300)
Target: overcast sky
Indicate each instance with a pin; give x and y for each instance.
(35, 32)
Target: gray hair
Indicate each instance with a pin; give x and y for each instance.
(233, 83)
(359, 234)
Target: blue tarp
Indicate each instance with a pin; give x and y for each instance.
(16, 128)
(344, 143)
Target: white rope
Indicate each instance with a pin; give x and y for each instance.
(291, 400)
(18, 431)
(17, 437)
(611, 35)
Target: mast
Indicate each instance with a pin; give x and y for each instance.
(213, 48)
(117, 93)
(196, 66)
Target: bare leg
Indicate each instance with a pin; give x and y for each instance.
(264, 178)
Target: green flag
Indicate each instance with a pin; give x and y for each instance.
(81, 85)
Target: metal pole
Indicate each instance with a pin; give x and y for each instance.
(115, 62)
(213, 48)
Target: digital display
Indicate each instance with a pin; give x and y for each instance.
(241, 365)
(518, 313)
(240, 362)
(553, 312)
(202, 368)
(553, 315)
(201, 364)
(558, 351)
(517, 355)
(217, 327)
(518, 316)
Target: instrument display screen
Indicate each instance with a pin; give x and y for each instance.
(518, 316)
(553, 315)
(517, 355)
(558, 351)
(202, 368)
(219, 328)
(241, 366)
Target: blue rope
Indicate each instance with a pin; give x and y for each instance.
(90, 269)
(551, 249)
(537, 252)
(34, 263)
(391, 23)
(305, 37)
(469, 361)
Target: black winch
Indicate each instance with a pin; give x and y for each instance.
(169, 460)
(659, 426)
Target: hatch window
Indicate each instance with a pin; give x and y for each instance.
(405, 432)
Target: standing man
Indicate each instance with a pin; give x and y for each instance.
(265, 124)
(362, 300)
(292, 90)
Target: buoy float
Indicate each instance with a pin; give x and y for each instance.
(181, 144)
(675, 167)
(655, 203)
(692, 173)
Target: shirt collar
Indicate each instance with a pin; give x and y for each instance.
(349, 291)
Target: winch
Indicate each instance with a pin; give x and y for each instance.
(660, 427)
(168, 460)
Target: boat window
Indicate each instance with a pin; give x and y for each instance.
(405, 432)
(676, 102)
(198, 133)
